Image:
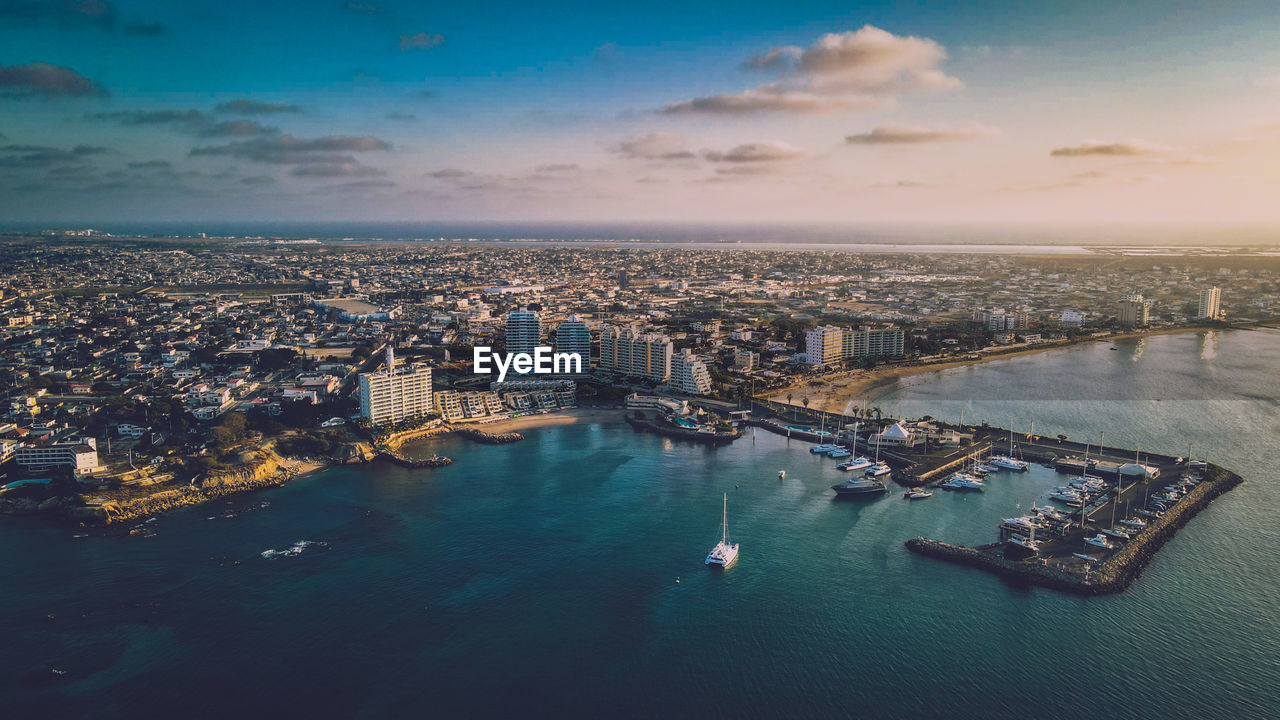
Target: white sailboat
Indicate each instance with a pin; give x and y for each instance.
(1009, 462)
(723, 554)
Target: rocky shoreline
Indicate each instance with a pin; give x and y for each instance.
(1111, 576)
(265, 472)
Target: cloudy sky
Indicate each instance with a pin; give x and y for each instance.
(802, 111)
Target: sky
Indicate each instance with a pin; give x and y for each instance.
(1047, 112)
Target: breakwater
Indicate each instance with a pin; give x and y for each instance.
(489, 438)
(1114, 574)
(408, 462)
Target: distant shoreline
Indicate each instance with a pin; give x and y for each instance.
(839, 394)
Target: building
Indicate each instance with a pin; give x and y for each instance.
(998, 320)
(453, 405)
(627, 351)
(1210, 304)
(824, 345)
(524, 331)
(745, 360)
(896, 435)
(1133, 311)
(689, 374)
(829, 344)
(572, 336)
(79, 454)
(1072, 318)
(874, 342)
(394, 394)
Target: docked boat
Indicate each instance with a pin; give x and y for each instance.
(1005, 462)
(840, 452)
(919, 494)
(1020, 548)
(858, 463)
(984, 468)
(1100, 540)
(1009, 462)
(723, 554)
(878, 470)
(1134, 523)
(1086, 558)
(822, 449)
(1026, 522)
(859, 486)
(1116, 534)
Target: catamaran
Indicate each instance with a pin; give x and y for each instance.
(723, 554)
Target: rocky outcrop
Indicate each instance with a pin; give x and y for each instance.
(354, 453)
(264, 472)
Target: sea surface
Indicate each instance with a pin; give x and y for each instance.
(563, 576)
(981, 238)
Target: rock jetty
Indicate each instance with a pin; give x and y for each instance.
(487, 438)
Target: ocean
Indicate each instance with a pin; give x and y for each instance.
(563, 576)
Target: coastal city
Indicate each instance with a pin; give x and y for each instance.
(378, 359)
(164, 372)
(173, 352)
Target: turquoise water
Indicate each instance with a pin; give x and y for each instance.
(539, 579)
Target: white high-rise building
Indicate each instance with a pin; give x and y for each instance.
(572, 336)
(689, 373)
(524, 331)
(630, 352)
(1210, 304)
(830, 344)
(394, 394)
(1133, 311)
(824, 345)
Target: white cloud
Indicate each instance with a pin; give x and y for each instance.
(840, 71)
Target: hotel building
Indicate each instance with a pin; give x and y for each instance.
(394, 394)
(630, 352)
(689, 374)
(830, 344)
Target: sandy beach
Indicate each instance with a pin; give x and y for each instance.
(837, 394)
(559, 417)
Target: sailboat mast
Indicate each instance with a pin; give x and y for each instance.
(724, 521)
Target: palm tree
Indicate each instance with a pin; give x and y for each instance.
(806, 404)
(793, 412)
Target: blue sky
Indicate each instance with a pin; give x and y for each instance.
(564, 110)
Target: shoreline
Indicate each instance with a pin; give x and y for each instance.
(839, 394)
(567, 416)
